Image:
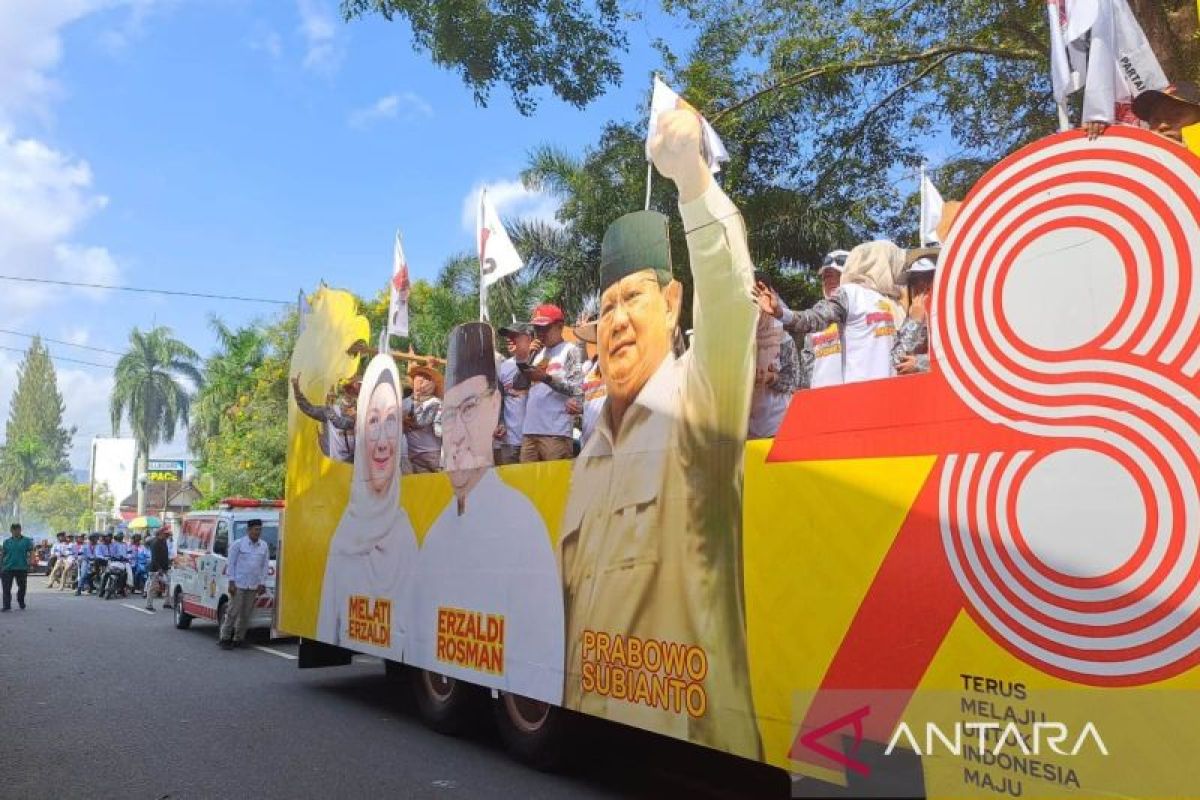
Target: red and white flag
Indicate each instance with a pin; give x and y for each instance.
(497, 256)
(400, 287)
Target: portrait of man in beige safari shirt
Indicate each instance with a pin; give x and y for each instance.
(651, 537)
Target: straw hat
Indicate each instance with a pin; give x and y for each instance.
(428, 372)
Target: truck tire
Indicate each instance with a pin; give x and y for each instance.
(183, 620)
(535, 733)
(445, 704)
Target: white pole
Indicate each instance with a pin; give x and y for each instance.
(1064, 121)
(921, 191)
(649, 177)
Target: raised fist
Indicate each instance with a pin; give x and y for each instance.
(676, 152)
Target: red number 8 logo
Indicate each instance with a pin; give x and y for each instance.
(1067, 308)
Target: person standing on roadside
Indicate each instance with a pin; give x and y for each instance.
(248, 566)
(16, 556)
(160, 564)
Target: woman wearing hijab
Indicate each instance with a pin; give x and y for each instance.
(368, 574)
(864, 308)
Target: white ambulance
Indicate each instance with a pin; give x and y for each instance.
(198, 585)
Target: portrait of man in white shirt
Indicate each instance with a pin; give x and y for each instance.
(488, 602)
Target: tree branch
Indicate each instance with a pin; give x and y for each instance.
(857, 133)
(941, 52)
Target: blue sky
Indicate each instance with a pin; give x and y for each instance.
(250, 147)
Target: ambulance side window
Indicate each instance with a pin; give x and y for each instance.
(221, 542)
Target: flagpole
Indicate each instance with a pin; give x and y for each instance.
(649, 163)
(921, 219)
(478, 257)
(1064, 121)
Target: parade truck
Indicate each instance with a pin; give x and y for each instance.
(198, 584)
(982, 579)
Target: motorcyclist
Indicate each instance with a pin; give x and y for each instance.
(139, 559)
(60, 551)
(118, 552)
(89, 555)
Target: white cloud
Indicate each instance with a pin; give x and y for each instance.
(512, 200)
(269, 42)
(30, 46)
(45, 197)
(128, 30)
(318, 26)
(405, 105)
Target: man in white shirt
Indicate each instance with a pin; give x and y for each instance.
(248, 566)
(488, 605)
(514, 385)
(555, 376)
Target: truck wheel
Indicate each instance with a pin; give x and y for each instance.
(444, 703)
(183, 620)
(534, 732)
(222, 610)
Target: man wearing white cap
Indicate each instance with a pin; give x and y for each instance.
(913, 336)
(822, 361)
(863, 307)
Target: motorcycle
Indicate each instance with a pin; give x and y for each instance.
(113, 580)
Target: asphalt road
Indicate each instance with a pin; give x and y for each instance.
(102, 700)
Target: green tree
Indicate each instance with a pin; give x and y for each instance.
(149, 390)
(36, 441)
(63, 505)
(246, 454)
(570, 48)
(575, 49)
(227, 375)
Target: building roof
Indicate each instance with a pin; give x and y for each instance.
(158, 494)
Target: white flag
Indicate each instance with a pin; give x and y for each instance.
(665, 99)
(497, 256)
(1116, 59)
(400, 286)
(931, 211)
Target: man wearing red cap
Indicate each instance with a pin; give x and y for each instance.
(555, 375)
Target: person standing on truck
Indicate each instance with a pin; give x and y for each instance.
(864, 308)
(514, 386)
(365, 594)
(1170, 111)
(651, 537)
(336, 435)
(248, 567)
(160, 565)
(488, 554)
(555, 377)
(423, 427)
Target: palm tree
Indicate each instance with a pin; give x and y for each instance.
(147, 390)
(228, 375)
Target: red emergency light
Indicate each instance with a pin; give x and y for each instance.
(250, 502)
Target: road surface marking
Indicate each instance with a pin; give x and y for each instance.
(275, 652)
(135, 608)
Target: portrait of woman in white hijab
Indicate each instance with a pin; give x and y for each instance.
(368, 574)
